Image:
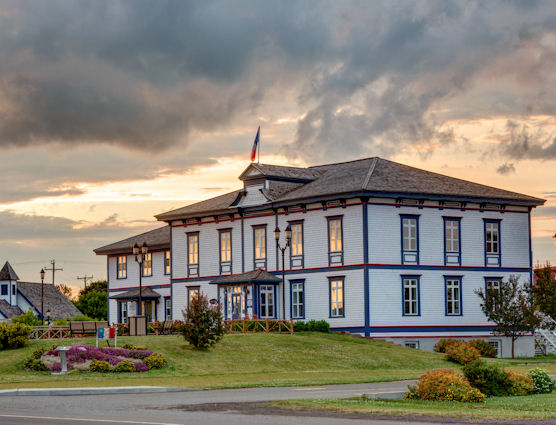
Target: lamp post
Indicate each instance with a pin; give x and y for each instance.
(139, 258)
(42, 296)
(288, 233)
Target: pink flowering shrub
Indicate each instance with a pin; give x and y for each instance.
(141, 367)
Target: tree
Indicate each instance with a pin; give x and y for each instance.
(93, 300)
(511, 308)
(544, 291)
(66, 290)
(203, 325)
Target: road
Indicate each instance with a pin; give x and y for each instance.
(215, 407)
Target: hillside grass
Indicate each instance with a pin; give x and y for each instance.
(244, 360)
(531, 407)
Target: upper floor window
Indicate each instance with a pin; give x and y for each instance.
(122, 266)
(225, 251)
(410, 293)
(453, 295)
(410, 239)
(296, 244)
(167, 267)
(452, 241)
(259, 236)
(4, 290)
(13, 289)
(336, 297)
(492, 242)
(335, 241)
(193, 254)
(148, 264)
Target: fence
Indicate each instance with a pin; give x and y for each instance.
(259, 325)
(50, 332)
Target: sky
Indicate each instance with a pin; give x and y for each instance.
(113, 111)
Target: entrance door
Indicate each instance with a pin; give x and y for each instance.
(236, 303)
(236, 306)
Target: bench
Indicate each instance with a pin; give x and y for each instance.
(85, 328)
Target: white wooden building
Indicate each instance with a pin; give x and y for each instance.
(377, 248)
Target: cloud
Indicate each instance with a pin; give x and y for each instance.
(521, 142)
(505, 169)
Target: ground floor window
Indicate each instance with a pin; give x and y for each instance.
(412, 344)
(122, 312)
(192, 292)
(410, 293)
(267, 301)
(297, 300)
(336, 296)
(168, 308)
(453, 296)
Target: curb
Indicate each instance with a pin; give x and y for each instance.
(393, 395)
(91, 391)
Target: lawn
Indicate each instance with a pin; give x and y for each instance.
(243, 360)
(540, 406)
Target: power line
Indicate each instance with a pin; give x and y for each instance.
(53, 269)
(85, 279)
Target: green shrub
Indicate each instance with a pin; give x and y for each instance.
(488, 378)
(13, 335)
(312, 325)
(462, 353)
(203, 326)
(444, 384)
(440, 346)
(299, 326)
(155, 361)
(32, 363)
(38, 352)
(519, 384)
(102, 366)
(130, 346)
(484, 348)
(542, 382)
(124, 366)
(28, 318)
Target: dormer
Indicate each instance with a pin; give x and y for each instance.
(8, 284)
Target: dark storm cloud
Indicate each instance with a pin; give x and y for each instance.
(522, 142)
(369, 77)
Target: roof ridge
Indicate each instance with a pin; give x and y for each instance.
(369, 173)
(344, 162)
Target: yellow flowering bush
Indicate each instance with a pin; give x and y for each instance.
(444, 384)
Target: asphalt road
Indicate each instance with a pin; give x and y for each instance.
(215, 407)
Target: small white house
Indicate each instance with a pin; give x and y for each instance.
(377, 248)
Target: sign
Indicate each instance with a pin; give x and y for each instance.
(106, 333)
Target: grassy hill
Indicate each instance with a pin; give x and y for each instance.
(242, 360)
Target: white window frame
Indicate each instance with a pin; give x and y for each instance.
(337, 297)
(147, 264)
(268, 307)
(296, 244)
(453, 296)
(297, 300)
(167, 264)
(410, 291)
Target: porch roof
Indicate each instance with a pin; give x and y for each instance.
(133, 294)
(253, 276)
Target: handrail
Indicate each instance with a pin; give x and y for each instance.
(543, 332)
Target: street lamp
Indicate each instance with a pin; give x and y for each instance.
(288, 233)
(42, 296)
(139, 258)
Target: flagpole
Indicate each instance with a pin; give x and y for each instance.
(259, 149)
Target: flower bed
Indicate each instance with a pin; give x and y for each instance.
(96, 359)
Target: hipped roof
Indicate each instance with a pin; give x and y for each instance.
(133, 294)
(155, 239)
(254, 276)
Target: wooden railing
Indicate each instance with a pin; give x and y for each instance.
(50, 332)
(259, 325)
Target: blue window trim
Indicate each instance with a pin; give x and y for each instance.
(198, 264)
(416, 218)
(446, 219)
(5, 288)
(292, 282)
(334, 278)
(418, 278)
(302, 256)
(274, 300)
(143, 266)
(332, 253)
(118, 267)
(460, 279)
(255, 259)
(220, 262)
(499, 255)
(169, 261)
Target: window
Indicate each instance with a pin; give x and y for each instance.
(335, 241)
(296, 244)
(297, 300)
(496, 344)
(267, 301)
(193, 254)
(410, 293)
(225, 251)
(412, 344)
(122, 266)
(453, 295)
(4, 290)
(259, 236)
(168, 308)
(492, 285)
(452, 241)
(336, 297)
(192, 292)
(122, 312)
(492, 242)
(410, 239)
(13, 289)
(167, 267)
(148, 264)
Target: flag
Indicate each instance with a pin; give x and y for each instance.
(255, 144)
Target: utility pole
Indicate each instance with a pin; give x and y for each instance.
(85, 279)
(53, 269)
